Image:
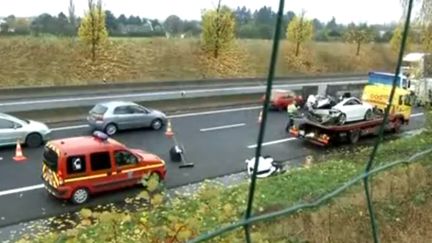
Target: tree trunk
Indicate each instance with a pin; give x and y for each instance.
(93, 50)
(217, 44)
(216, 51)
(297, 51)
(358, 48)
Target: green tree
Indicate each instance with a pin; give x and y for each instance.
(358, 35)
(173, 25)
(395, 41)
(21, 26)
(4, 27)
(92, 30)
(72, 16)
(111, 22)
(218, 29)
(424, 21)
(426, 38)
(299, 31)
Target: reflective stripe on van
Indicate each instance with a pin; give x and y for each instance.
(49, 176)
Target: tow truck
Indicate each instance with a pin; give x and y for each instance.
(376, 95)
(324, 135)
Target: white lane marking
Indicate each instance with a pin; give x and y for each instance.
(417, 114)
(222, 127)
(214, 112)
(22, 189)
(272, 142)
(173, 116)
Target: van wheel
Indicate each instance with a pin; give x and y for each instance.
(33, 140)
(80, 196)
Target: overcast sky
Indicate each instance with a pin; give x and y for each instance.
(345, 11)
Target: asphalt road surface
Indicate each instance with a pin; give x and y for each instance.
(217, 142)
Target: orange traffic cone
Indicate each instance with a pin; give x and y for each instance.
(169, 133)
(260, 117)
(18, 153)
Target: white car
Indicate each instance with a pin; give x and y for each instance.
(29, 132)
(353, 109)
(266, 167)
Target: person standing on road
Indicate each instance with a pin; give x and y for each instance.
(292, 111)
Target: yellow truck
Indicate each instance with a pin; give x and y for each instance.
(401, 105)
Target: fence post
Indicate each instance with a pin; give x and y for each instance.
(381, 130)
(270, 77)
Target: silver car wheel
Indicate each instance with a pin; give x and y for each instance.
(80, 196)
(156, 124)
(33, 140)
(111, 129)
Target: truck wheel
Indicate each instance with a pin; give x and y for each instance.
(354, 136)
(397, 126)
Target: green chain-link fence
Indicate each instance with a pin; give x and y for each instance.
(249, 219)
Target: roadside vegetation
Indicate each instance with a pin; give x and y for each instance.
(400, 195)
(29, 61)
(226, 43)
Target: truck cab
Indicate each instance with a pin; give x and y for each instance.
(418, 66)
(401, 105)
(383, 78)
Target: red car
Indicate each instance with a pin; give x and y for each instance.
(74, 168)
(280, 99)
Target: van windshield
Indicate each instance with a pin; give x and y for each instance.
(50, 159)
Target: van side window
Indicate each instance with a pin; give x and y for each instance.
(75, 164)
(100, 161)
(123, 158)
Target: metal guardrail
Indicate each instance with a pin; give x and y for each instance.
(43, 103)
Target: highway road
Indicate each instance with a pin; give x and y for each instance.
(218, 142)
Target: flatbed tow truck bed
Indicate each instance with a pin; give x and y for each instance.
(323, 135)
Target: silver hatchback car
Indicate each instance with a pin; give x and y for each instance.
(31, 133)
(113, 116)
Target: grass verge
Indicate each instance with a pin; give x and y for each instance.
(400, 195)
(64, 61)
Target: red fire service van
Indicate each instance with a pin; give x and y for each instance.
(73, 168)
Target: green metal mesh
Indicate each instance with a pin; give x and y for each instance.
(249, 219)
